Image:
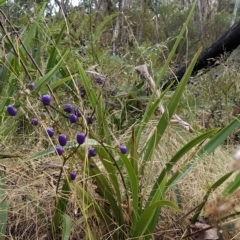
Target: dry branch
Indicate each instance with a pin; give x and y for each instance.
(142, 69)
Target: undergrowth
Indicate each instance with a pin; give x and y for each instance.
(88, 146)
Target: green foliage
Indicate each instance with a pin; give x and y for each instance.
(2, 2)
(61, 208)
(3, 206)
(120, 199)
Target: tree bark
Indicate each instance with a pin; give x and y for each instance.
(219, 50)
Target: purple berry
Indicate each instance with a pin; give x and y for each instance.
(67, 108)
(77, 112)
(46, 99)
(82, 92)
(99, 80)
(62, 139)
(59, 150)
(12, 111)
(112, 92)
(91, 165)
(73, 175)
(216, 75)
(50, 132)
(123, 149)
(34, 122)
(31, 86)
(80, 138)
(91, 152)
(73, 118)
(90, 119)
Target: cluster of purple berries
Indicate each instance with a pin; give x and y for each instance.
(62, 138)
(74, 113)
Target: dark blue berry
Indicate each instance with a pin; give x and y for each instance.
(112, 92)
(50, 132)
(80, 138)
(123, 149)
(12, 111)
(73, 175)
(77, 112)
(67, 108)
(73, 118)
(90, 119)
(91, 165)
(82, 92)
(62, 139)
(31, 86)
(91, 152)
(99, 80)
(34, 122)
(59, 150)
(46, 99)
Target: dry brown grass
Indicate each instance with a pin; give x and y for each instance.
(31, 187)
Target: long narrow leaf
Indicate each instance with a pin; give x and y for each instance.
(149, 148)
(167, 63)
(134, 187)
(67, 225)
(210, 190)
(47, 78)
(208, 148)
(61, 206)
(53, 54)
(232, 186)
(3, 207)
(146, 217)
(185, 149)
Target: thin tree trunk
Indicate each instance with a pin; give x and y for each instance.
(235, 12)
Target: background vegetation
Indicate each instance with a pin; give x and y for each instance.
(126, 170)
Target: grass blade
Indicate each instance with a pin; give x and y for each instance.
(47, 78)
(61, 206)
(210, 190)
(67, 225)
(185, 149)
(233, 186)
(149, 147)
(3, 207)
(133, 179)
(53, 55)
(167, 63)
(147, 216)
(207, 149)
(111, 171)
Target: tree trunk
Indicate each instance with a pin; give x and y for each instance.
(210, 57)
(205, 11)
(235, 12)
